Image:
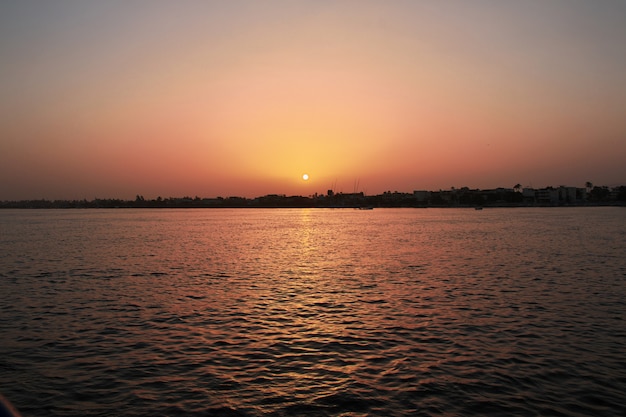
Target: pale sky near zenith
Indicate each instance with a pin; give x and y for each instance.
(110, 99)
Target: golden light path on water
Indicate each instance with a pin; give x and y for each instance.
(313, 312)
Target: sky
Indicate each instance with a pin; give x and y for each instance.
(113, 99)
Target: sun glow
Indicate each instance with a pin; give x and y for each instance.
(305, 177)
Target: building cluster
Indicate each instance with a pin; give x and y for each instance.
(454, 197)
(549, 196)
(498, 197)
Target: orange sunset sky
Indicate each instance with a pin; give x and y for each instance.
(110, 99)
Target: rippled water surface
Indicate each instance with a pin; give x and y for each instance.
(314, 312)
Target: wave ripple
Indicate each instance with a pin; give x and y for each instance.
(314, 313)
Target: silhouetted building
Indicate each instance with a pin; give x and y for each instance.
(421, 196)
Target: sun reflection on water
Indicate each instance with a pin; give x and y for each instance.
(326, 312)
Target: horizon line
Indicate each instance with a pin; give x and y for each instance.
(329, 192)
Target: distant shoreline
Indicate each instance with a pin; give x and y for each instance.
(592, 196)
(4, 208)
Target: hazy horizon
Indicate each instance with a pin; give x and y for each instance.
(114, 99)
(314, 193)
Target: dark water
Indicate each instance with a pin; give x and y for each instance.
(314, 312)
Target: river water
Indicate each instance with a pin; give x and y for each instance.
(321, 312)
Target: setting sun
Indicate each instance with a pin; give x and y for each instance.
(237, 100)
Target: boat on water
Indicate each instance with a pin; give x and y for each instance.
(478, 208)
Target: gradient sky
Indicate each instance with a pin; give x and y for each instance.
(111, 99)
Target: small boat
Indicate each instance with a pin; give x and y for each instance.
(366, 208)
(478, 208)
